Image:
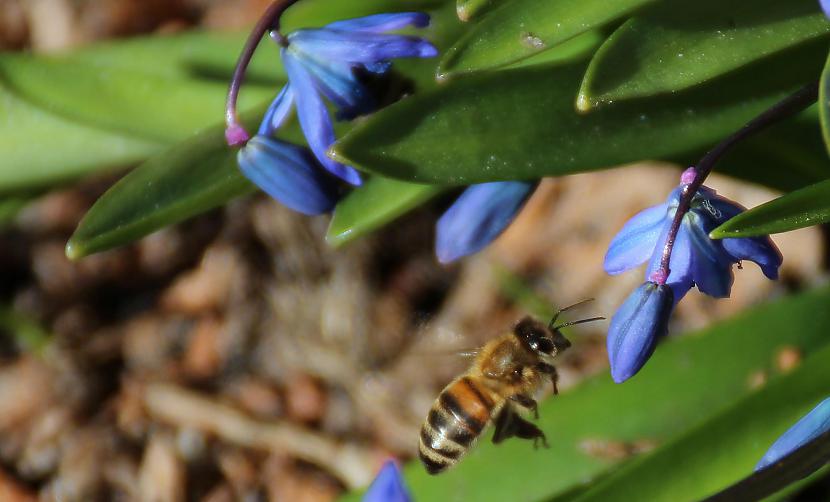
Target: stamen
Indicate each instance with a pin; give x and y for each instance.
(235, 133)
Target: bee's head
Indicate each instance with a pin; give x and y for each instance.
(547, 341)
(540, 339)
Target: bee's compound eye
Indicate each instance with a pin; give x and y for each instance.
(517, 371)
(544, 345)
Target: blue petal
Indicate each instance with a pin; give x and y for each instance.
(760, 250)
(825, 6)
(636, 327)
(681, 265)
(712, 267)
(380, 23)
(277, 112)
(359, 47)
(339, 84)
(388, 486)
(809, 427)
(314, 118)
(289, 174)
(635, 243)
(478, 216)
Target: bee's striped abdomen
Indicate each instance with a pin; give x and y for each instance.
(456, 419)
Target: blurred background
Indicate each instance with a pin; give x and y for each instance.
(238, 357)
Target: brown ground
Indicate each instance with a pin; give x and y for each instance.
(237, 357)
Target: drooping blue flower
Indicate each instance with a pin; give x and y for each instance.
(809, 427)
(289, 174)
(636, 327)
(323, 62)
(479, 215)
(388, 486)
(696, 259)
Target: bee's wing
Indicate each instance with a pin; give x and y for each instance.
(509, 424)
(468, 352)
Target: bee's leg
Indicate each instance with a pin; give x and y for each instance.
(554, 376)
(509, 424)
(527, 402)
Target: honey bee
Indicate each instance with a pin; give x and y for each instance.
(504, 378)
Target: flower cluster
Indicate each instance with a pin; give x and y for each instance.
(695, 260)
(321, 63)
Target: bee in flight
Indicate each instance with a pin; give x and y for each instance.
(504, 378)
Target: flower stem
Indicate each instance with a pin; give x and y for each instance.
(785, 108)
(235, 133)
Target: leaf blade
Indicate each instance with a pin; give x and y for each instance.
(520, 124)
(677, 46)
(799, 209)
(379, 201)
(522, 28)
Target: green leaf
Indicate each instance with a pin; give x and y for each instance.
(190, 178)
(521, 28)
(824, 104)
(469, 9)
(149, 106)
(676, 46)
(688, 380)
(724, 449)
(520, 124)
(801, 208)
(41, 149)
(578, 48)
(376, 203)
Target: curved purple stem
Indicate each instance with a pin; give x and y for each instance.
(695, 176)
(235, 133)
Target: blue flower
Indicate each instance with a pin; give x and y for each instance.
(696, 259)
(809, 427)
(289, 174)
(636, 327)
(825, 6)
(323, 62)
(388, 486)
(478, 216)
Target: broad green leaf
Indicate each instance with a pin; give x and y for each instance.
(687, 381)
(676, 46)
(724, 449)
(41, 149)
(376, 203)
(149, 106)
(520, 124)
(190, 178)
(802, 208)
(824, 104)
(519, 29)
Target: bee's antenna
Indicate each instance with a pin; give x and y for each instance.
(565, 309)
(581, 321)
